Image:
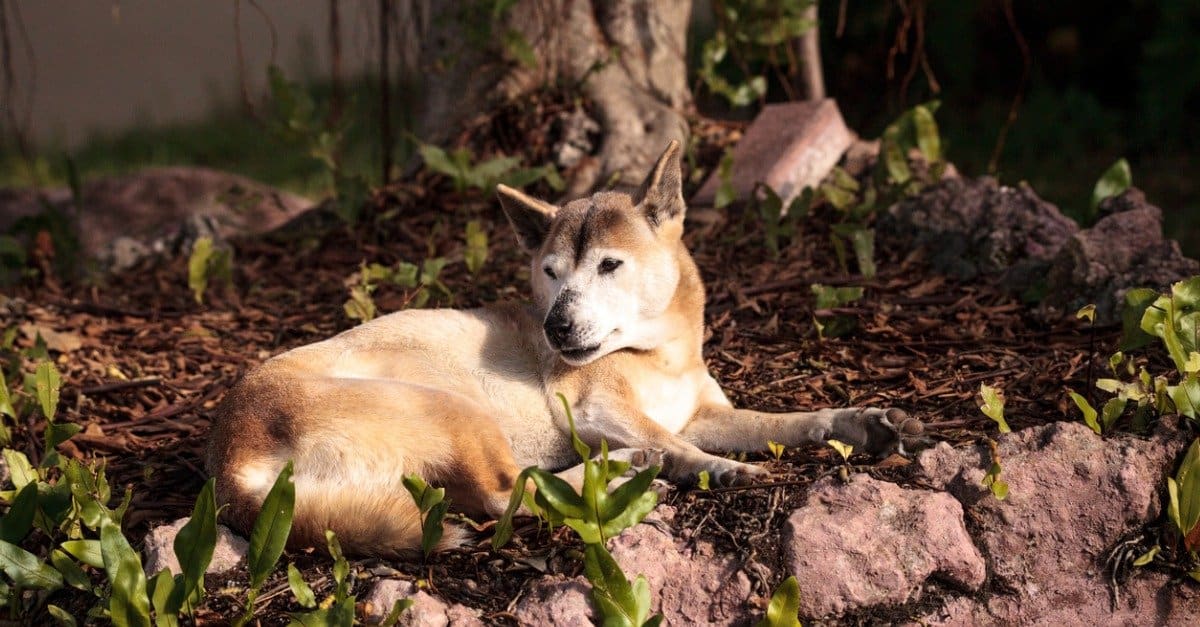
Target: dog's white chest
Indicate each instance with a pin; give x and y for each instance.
(669, 400)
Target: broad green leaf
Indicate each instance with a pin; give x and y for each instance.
(830, 297)
(161, 588)
(438, 161)
(784, 609)
(726, 193)
(1186, 396)
(21, 472)
(629, 504)
(1133, 308)
(559, 494)
(300, 588)
(842, 448)
(999, 489)
(1186, 294)
(431, 529)
(6, 406)
(928, 139)
(270, 532)
(993, 406)
(1147, 557)
(776, 448)
(863, 243)
(129, 604)
(57, 433)
(86, 551)
(198, 267)
(894, 158)
(25, 569)
(1115, 180)
(72, 574)
(15, 525)
(360, 306)
(702, 480)
(398, 608)
(1186, 496)
(476, 251)
(194, 546)
(504, 526)
(49, 383)
(611, 593)
(60, 616)
(1112, 411)
(1089, 412)
(1087, 311)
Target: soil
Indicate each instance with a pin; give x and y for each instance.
(153, 362)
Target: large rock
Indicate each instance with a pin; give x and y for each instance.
(1072, 496)
(977, 226)
(870, 543)
(426, 610)
(159, 549)
(690, 583)
(121, 219)
(1123, 250)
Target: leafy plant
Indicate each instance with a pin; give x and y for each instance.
(784, 608)
(208, 262)
(993, 406)
(423, 280)
(1115, 180)
(844, 450)
(458, 166)
(433, 507)
(726, 193)
(991, 479)
(1183, 507)
(778, 223)
(340, 612)
(595, 515)
(775, 448)
(269, 535)
(752, 38)
(476, 251)
(827, 322)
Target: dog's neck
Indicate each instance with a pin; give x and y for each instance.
(677, 336)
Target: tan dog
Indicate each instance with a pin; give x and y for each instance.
(466, 399)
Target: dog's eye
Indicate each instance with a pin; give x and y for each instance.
(550, 273)
(609, 265)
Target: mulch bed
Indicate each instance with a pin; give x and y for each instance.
(153, 362)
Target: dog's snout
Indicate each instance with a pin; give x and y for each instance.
(558, 330)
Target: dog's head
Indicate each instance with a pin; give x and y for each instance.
(604, 267)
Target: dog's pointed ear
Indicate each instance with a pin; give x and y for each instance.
(661, 194)
(529, 217)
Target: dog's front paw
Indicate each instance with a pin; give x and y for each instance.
(874, 430)
(725, 473)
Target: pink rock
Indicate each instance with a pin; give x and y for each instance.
(426, 610)
(789, 146)
(871, 542)
(159, 549)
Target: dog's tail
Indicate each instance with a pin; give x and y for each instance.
(386, 523)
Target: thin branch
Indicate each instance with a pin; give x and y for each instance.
(1026, 63)
(385, 88)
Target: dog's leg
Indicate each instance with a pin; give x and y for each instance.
(876, 431)
(623, 426)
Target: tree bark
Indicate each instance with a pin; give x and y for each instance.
(627, 57)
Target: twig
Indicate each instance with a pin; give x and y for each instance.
(1026, 63)
(120, 385)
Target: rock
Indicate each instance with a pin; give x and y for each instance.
(976, 226)
(690, 583)
(159, 551)
(788, 147)
(122, 219)
(426, 610)
(1072, 496)
(870, 543)
(1123, 250)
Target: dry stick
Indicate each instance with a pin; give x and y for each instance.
(1026, 62)
(10, 86)
(335, 64)
(120, 385)
(385, 104)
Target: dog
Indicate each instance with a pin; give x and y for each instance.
(467, 398)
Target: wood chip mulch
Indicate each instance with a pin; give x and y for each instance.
(152, 362)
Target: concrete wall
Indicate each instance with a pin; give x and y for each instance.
(104, 65)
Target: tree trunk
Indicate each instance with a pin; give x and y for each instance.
(628, 58)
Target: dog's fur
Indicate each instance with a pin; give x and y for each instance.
(466, 399)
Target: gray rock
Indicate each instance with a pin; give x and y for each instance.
(1123, 250)
(426, 610)
(159, 552)
(1072, 496)
(556, 600)
(870, 543)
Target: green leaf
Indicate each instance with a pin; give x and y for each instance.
(398, 608)
(1147, 557)
(612, 595)
(559, 494)
(270, 532)
(300, 589)
(784, 609)
(863, 243)
(726, 193)
(15, 525)
(60, 616)
(999, 489)
(1087, 311)
(477, 247)
(928, 139)
(21, 472)
(1112, 411)
(194, 546)
(702, 479)
(6, 406)
(993, 406)
(129, 604)
(86, 551)
(504, 526)
(1135, 303)
(842, 448)
(1186, 396)
(26, 570)
(431, 529)
(894, 158)
(628, 504)
(830, 297)
(1089, 412)
(198, 265)
(1115, 180)
(1185, 497)
(57, 433)
(49, 382)
(776, 448)
(161, 588)
(72, 574)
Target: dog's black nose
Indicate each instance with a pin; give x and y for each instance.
(558, 331)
